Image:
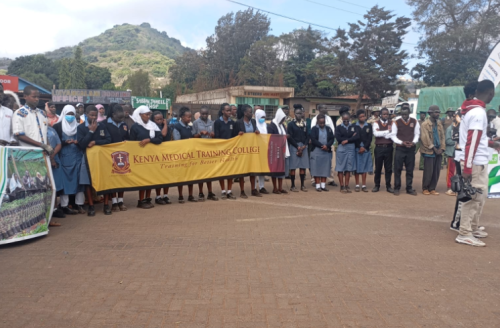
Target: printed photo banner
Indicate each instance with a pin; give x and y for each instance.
(27, 193)
(127, 166)
(494, 175)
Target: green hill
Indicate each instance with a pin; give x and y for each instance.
(127, 48)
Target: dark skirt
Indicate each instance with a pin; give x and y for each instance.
(346, 159)
(297, 162)
(321, 163)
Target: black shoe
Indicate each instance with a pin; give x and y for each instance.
(411, 192)
(91, 211)
(192, 199)
(68, 211)
(318, 189)
(201, 197)
(211, 196)
(160, 201)
(106, 210)
(264, 191)
(167, 200)
(80, 209)
(376, 189)
(396, 192)
(58, 213)
(333, 184)
(389, 189)
(324, 189)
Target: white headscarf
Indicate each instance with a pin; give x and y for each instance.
(151, 126)
(262, 127)
(14, 184)
(69, 129)
(280, 115)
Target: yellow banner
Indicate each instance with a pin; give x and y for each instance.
(127, 166)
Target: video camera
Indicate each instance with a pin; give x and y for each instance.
(465, 191)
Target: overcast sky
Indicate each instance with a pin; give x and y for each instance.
(33, 26)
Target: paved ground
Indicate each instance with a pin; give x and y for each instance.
(302, 260)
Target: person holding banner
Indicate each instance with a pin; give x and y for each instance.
(322, 139)
(203, 127)
(90, 134)
(298, 140)
(474, 161)
(224, 129)
(166, 133)
(145, 131)
(246, 124)
(277, 127)
(260, 121)
(183, 130)
(118, 131)
(71, 159)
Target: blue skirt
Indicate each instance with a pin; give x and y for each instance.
(321, 163)
(297, 162)
(364, 163)
(84, 172)
(346, 159)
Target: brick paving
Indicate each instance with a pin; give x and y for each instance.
(300, 260)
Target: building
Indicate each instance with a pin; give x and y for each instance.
(17, 84)
(310, 104)
(269, 97)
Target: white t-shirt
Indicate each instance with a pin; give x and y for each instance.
(475, 119)
(6, 125)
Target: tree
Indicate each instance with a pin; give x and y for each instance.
(324, 72)
(139, 83)
(370, 54)
(234, 35)
(77, 71)
(262, 65)
(96, 77)
(64, 65)
(189, 68)
(458, 37)
(35, 65)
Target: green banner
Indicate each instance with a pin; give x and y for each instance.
(152, 103)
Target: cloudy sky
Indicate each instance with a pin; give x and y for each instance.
(38, 26)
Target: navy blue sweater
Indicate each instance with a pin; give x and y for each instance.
(139, 133)
(84, 136)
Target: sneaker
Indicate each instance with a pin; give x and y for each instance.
(243, 195)
(469, 240)
(364, 189)
(230, 195)
(479, 233)
(454, 229)
(122, 207)
(264, 191)
(192, 199)
(450, 193)
(256, 193)
(357, 189)
(167, 200)
(106, 210)
(211, 196)
(201, 197)
(482, 228)
(115, 208)
(91, 211)
(160, 201)
(68, 211)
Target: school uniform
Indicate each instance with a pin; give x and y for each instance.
(273, 129)
(182, 131)
(54, 140)
(139, 133)
(84, 137)
(346, 158)
(224, 130)
(364, 162)
(118, 132)
(242, 126)
(199, 125)
(383, 151)
(404, 131)
(321, 160)
(298, 137)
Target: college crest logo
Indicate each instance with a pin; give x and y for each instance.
(121, 164)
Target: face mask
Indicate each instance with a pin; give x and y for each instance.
(262, 120)
(69, 118)
(174, 119)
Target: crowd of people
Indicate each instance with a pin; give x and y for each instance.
(383, 144)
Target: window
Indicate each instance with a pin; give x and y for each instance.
(270, 111)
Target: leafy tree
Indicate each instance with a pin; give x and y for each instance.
(35, 65)
(96, 77)
(77, 71)
(370, 54)
(139, 83)
(458, 37)
(39, 79)
(234, 35)
(262, 65)
(324, 72)
(108, 86)
(64, 65)
(188, 69)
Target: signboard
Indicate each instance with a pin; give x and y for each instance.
(27, 193)
(65, 96)
(262, 94)
(491, 69)
(10, 82)
(391, 101)
(152, 103)
(494, 175)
